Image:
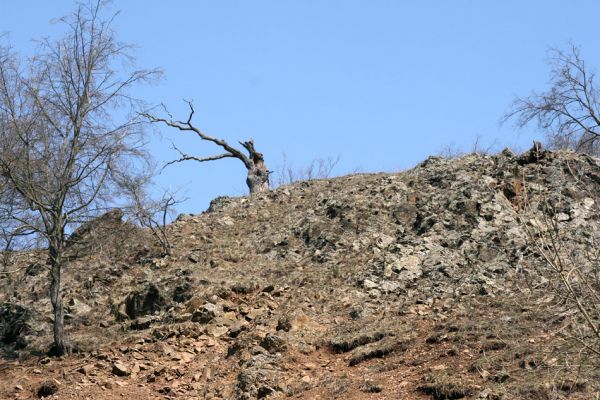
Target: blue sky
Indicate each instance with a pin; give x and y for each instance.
(381, 83)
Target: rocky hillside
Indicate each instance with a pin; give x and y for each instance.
(425, 284)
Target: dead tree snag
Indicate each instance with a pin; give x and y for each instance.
(258, 174)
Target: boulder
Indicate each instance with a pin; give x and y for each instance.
(273, 343)
(206, 313)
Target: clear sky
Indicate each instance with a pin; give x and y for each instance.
(381, 83)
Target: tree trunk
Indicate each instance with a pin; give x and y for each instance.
(258, 174)
(60, 345)
(257, 180)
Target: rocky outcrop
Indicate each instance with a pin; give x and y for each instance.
(14, 326)
(99, 226)
(142, 302)
(407, 285)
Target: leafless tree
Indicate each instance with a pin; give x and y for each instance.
(568, 112)
(318, 168)
(258, 174)
(61, 146)
(150, 213)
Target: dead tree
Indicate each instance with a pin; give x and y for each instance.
(61, 144)
(569, 111)
(258, 174)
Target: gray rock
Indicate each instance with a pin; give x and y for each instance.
(144, 302)
(77, 307)
(14, 325)
(389, 286)
(183, 217)
(206, 313)
(273, 343)
(369, 284)
(120, 369)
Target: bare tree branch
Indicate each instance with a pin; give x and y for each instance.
(258, 174)
(148, 212)
(569, 111)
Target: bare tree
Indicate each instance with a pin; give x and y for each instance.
(60, 148)
(258, 174)
(568, 112)
(318, 168)
(150, 213)
(572, 262)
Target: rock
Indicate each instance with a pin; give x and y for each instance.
(47, 388)
(374, 350)
(120, 369)
(446, 390)
(534, 154)
(351, 341)
(183, 292)
(244, 288)
(507, 152)
(77, 307)
(144, 302)
(370, 387)
(257, 380)
(384, 241)
(273, 343)
(34, 269)
(228, 318)
(216, 331)
(97, 227)
(143, 323)
(562, 217)
(310, 366)
(158, 263)
(237, 328)
(86, 369)
(14, 325)
(206, 313)
(227, 221)
(254, 313)
(389, 286)
(284, 324)
(587, 203)
(369, 284)
(355, 314)
(219, 203)
(408, 267)
(183, 217)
